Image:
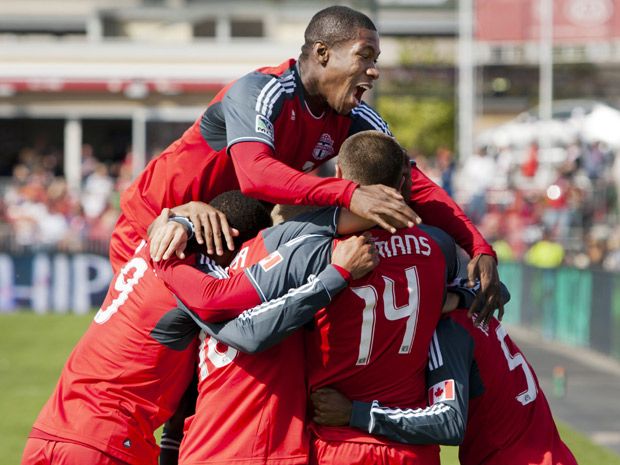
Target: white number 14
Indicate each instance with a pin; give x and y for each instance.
(392, 312)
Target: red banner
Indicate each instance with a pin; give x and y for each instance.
(574, 21)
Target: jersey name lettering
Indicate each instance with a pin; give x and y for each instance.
(404, 245)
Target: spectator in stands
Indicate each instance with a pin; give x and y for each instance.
(475, 179)
(530, 166)
(545, 253)
(97, 189)
(447, 167)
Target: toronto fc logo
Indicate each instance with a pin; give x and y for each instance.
(324, 147)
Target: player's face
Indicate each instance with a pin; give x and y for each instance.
(351, 71)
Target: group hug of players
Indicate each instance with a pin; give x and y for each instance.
(340, 336)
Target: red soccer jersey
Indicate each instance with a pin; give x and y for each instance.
(510, 423)
(126, 375)
(263, 121)
(265, 107)
(251, 407)
(119, 383)
(372, 342)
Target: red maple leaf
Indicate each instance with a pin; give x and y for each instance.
(438, 392)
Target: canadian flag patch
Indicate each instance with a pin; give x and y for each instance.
(270, 261)
(441, 392)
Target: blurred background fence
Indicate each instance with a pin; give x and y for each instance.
(576, 307)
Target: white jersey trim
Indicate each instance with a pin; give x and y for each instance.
(397, 414)
(308, 288)
(434, 354)
(372, 117)
(272, 91)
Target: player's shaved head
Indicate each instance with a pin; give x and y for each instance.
(333, 25)
(372, 157)
(245, 214)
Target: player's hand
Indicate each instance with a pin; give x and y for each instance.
(383, 206)
(167, 237)
(210, 225)
(484, 268)
(357, 255)
(330, 407)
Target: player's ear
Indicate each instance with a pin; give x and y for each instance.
(338, 172)
(320, 50)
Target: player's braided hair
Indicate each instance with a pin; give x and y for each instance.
(334, 24)
(372, 157)
(243, 213)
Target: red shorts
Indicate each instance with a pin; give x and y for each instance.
(46, 452)
(323, 452)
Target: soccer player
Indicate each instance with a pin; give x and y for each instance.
(478, 377)
(372, 340)
(126, 375)
(260, 399)
(263, 132)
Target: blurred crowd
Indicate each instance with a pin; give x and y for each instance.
(39, 211)
(547, 206)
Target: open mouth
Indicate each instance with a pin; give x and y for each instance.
(359, 91)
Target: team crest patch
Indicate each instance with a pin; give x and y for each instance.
(441, 392)
(264, 126)
(271, 261)
(324, 147)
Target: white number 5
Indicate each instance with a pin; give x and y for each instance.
(514, 361)
(392, 312)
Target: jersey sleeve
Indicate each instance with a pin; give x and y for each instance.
(323, 222)
(212, 295)
(436, 207)
(290, 265)
(262, 327)
(365, 118)
(450, 360)
(262, 176)
(250, 107)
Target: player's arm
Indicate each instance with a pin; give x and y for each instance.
(436, 207)
(262, 327)
(211, 298)
(451, 357)
(216, 300)
(206, 224)
(461, 295)
(288, 267)
(250, 114)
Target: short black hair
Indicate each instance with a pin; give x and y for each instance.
(372, 157)
(243, 213)
(335, 24)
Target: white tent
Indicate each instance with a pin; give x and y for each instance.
(602, 124)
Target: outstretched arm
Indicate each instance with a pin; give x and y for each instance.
(262, 327)
(436, 207)
(254, 165)
(441, 423)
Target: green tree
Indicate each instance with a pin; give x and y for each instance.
(420, 124)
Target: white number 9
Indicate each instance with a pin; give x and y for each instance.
(124, 286)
